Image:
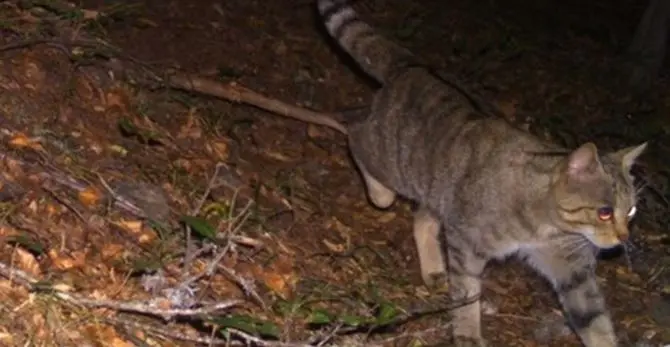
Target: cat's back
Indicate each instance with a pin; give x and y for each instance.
(424, 131)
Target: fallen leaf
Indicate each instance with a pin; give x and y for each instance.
(62, 287)
(191, 129)
(387, 217)
(89, 197)
(90, 14)
(20, 140)
(276, 155)
(280, 284)
(111, 251)
(61, 262)
(334, 247)
(26, 261)
(117, 98)
(218, 149)
(131, 226)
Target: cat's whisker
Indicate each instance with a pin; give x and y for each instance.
(577, 248)
(627, 249)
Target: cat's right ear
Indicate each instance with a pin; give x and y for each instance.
(583, 162)
(628, 156)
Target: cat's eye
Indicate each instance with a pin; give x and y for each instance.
(605, 213)
(632, 212)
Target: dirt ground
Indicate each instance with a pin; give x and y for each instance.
(137, 215)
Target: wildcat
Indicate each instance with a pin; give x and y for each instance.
(484, 183)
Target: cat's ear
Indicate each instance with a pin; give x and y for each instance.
(629, 155)
(583, 162)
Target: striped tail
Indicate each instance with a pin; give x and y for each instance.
(378, 56)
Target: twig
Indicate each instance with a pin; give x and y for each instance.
(261, 342)
(247, 285)
(329, 336)
(208, 189)
(189, 255)
(167, 333)
(416, 334)
(237, 93)
(149, 307)
(144, 307)
(120, 200)
(247, 339)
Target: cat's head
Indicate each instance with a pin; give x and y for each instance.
(594, 194)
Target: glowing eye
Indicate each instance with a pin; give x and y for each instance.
(632, 211)
(605, 213)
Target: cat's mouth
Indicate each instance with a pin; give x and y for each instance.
(603, 242)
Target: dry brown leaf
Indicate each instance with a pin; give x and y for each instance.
(277, 155)
(90, 196)
(26, 261)
(60, 261)
(33, 73)
(33, 206)
(20, 140)
(281, 284)
(90, 14)
(6, 230)
(314, 131)
(117, 98)
(6, 339)
(218, 149)
(12, 168)
(84, 88)
(191, 129)
(62, 287)
(147, 22)
(111, 251)
(387, 217)
(183, 164)
(147, 236)
(105, 333)
(79, 258)
(131, 226)
(51, 210)
(334, 247)
(118, 342)
(163, 303)
(38, 323)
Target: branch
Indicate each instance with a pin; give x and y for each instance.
(237, 93)
(148, 307)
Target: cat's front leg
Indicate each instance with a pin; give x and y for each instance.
(586, 310)
(465, 284)
(575, 283)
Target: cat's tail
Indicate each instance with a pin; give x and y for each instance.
(377, 55)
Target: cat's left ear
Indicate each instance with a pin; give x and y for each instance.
(629, 155)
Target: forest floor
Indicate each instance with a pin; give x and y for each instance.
(139, 215)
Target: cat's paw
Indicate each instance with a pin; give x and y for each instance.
(436, 281)
(461, 341)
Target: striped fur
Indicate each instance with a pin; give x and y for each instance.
(481, 184)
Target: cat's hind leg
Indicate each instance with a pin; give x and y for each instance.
(426, 230)
(379, 195)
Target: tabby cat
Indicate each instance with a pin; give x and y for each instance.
(485, 184)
